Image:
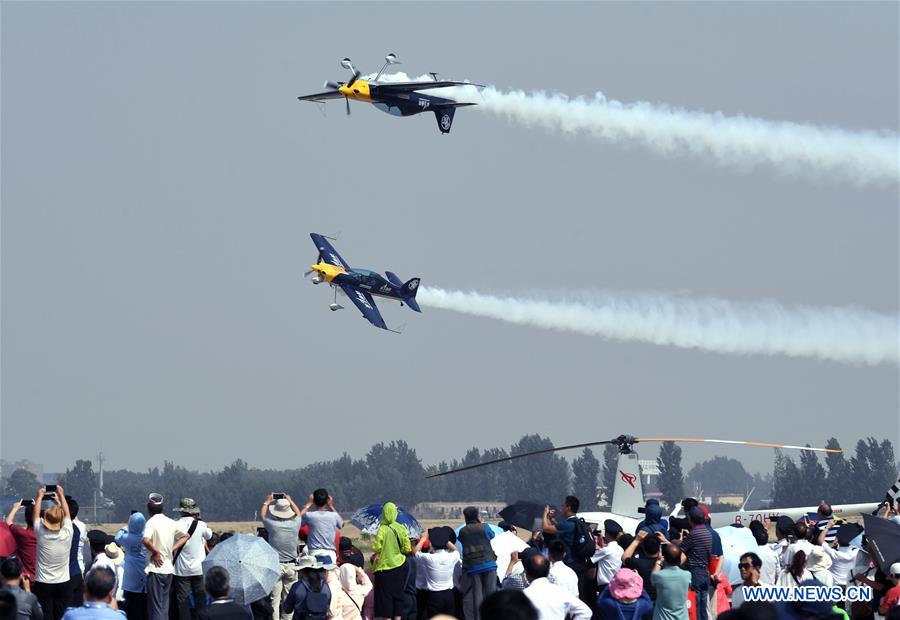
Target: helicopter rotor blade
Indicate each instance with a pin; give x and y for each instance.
(761, 444)
(521, 456)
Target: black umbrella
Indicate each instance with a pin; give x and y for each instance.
(884, 540)
(523, 514)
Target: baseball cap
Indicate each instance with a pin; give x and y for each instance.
(155, 499)
(895, 568)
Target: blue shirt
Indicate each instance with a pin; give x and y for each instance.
(93, 611)
(134, 579)
(565, 531)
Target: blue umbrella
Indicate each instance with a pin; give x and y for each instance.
(368, 519)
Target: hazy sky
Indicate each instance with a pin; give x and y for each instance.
(160, 179)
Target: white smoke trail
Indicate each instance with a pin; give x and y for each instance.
(849, 335)
(860, 157)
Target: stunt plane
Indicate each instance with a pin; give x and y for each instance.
(396, 98)
(360, 284)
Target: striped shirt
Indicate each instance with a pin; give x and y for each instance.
(697, 546)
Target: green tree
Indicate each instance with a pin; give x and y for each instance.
(80, 482)
(22, 484)
(543, 478)
(838, 478)
(585, 477)
(812, 491)
(610, 467)
(786, 481)
(720, 474)
(671, 478)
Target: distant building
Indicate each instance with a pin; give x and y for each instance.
(453, 510)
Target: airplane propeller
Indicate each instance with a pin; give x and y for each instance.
(626, 442)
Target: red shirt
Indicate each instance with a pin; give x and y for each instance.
(26, 548)
(7, 542)
(890, 599)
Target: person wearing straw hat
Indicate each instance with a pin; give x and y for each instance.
(161, 538)
(54, 541)
(112, 558)
(281, 518)
(188, 560)
(310, 597)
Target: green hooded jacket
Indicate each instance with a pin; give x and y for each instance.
(391, 541)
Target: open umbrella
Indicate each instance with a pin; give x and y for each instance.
(884, 538)
(736, 541)
(251, 563)
(524, 514)
(368, 518)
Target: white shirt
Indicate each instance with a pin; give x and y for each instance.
(53, 549)
(554, 602)
(800, 545)
(824, 576)
(82, 538)
(193, 552)
(437, 569)
(843, 559)
(103, 560)
(779, 547)
(786, 580)
(562, 575)
(161, 530)
(768, 572)
(608, 560)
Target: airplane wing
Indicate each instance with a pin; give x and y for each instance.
(331, 94)
(327, 252)
(366, 305)
(401, 87)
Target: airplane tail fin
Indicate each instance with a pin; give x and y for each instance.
(444, 115)
(410, 288)
(628, 492)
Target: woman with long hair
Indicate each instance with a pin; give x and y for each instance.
(796, 572)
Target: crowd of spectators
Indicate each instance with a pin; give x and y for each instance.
(153, 569)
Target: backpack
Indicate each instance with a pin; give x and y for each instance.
(315, 605)
(583, 545)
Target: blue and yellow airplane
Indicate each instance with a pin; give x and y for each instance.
(360, 284)
(395, 98)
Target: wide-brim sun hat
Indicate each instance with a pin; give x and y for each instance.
(188, 506)
(626, 584)
(114, 553)
(53, 518)
(281, 508)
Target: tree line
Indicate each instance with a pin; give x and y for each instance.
(394, 471)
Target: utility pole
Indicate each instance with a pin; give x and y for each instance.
(100, 468)
(98, 492)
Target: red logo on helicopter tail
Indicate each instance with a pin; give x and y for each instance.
(629, 478)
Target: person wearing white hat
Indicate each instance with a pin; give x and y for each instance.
(112, 558)
(161, 538)
(818, 563)
(281, 518)
(891, 598)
